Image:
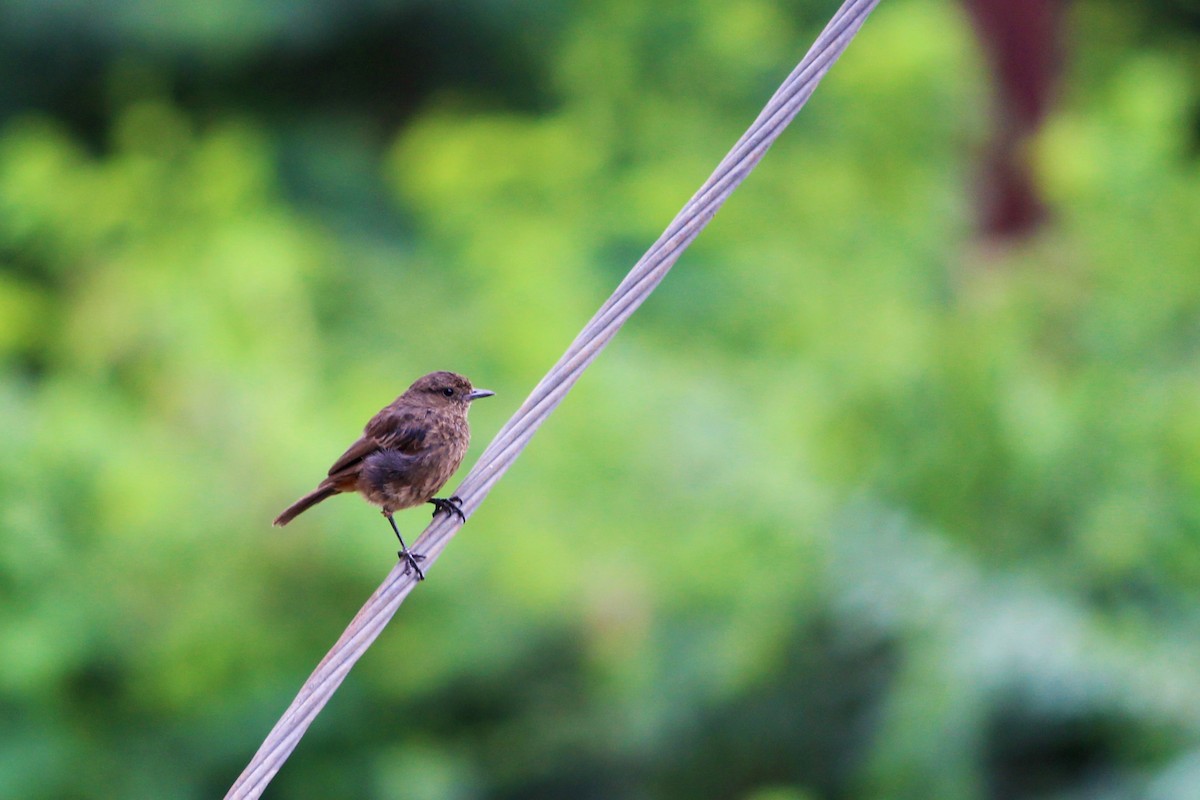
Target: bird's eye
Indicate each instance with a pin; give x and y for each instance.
(448, 392)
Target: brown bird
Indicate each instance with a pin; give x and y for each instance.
(406, 453)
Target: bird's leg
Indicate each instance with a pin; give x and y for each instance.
(409, 558)
(448, 505)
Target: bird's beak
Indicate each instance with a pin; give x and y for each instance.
(478, 393)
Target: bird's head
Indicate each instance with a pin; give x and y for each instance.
(444, 390)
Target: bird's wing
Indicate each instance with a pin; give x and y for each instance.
(356, 453)
(404, 432)
(388, 430)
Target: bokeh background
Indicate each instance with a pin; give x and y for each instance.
(892, 490)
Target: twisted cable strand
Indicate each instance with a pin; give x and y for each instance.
(549, 392)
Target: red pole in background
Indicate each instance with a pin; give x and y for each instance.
(1022, 43)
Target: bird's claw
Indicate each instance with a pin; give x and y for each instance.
(410, 560)
(448, 505)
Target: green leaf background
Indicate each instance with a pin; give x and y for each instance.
(857, 506)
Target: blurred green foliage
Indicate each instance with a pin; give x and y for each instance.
(854, 507)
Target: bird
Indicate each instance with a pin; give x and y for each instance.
(406, 454)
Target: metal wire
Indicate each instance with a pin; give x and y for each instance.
(545, 397)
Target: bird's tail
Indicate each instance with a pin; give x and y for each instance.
(309, 500)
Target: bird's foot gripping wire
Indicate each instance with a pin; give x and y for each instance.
(448, 505)
(409, 558)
